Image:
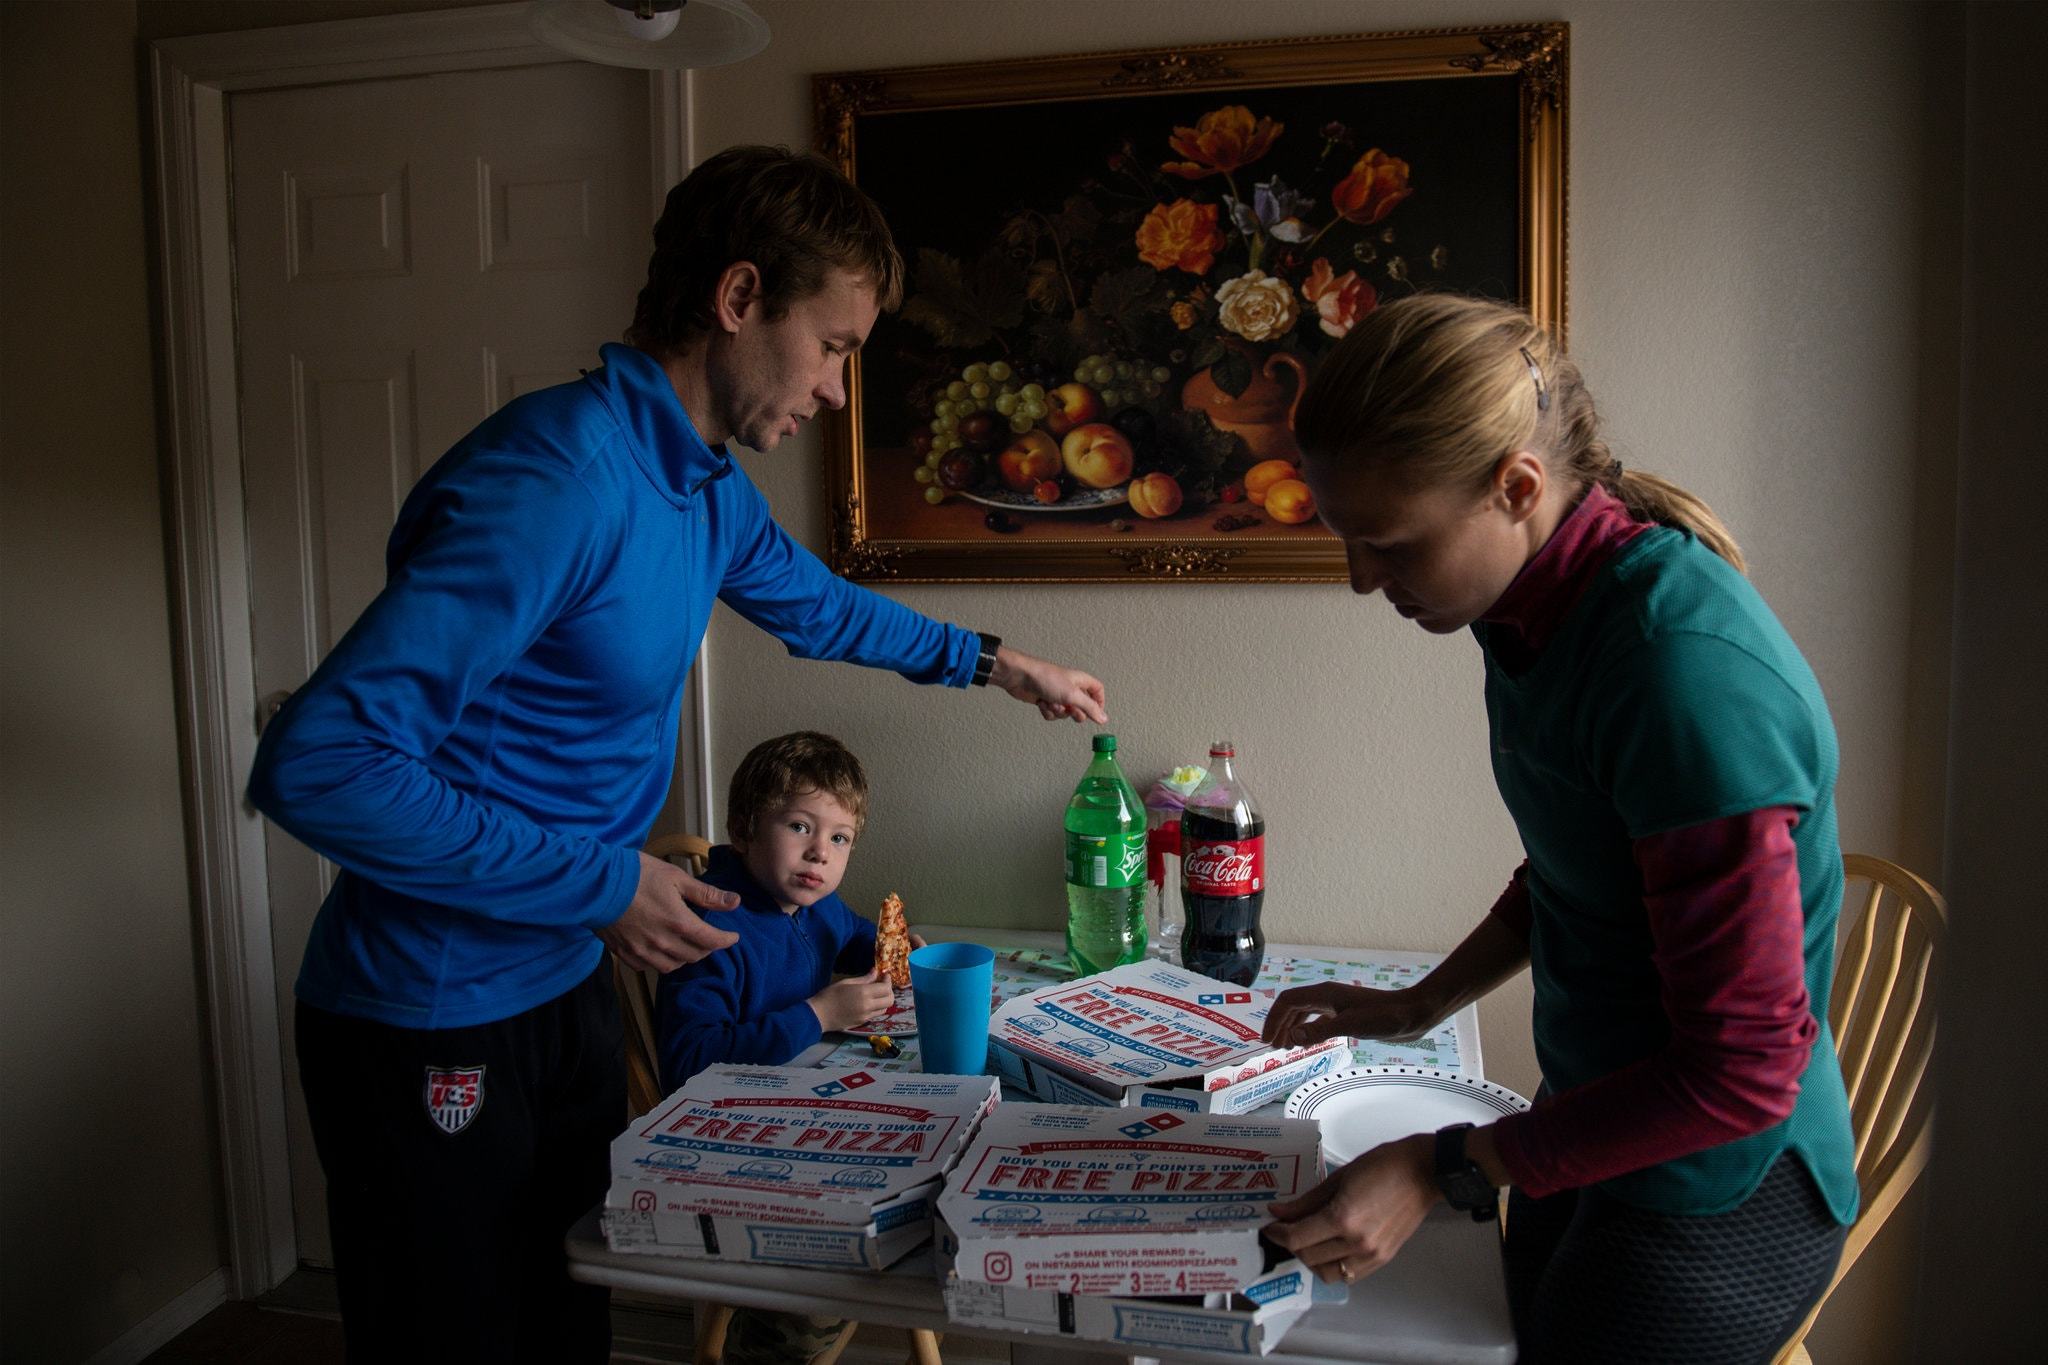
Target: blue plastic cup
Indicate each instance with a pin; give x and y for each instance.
(951, 983)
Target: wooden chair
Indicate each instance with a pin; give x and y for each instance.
(1882, 1012)
(636, 989)
(643, 1092)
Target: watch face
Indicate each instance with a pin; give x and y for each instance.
(1464, 1185)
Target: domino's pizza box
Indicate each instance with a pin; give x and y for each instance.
(1133, 1226)
(1153, 1035)
(792, 1165)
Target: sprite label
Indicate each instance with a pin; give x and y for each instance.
(1114, 860)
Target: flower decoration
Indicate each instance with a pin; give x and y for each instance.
(1256, 306)
(1376, 184)
(1340, 300)
(1221, 141)
(1180, 235)
(1274, 209)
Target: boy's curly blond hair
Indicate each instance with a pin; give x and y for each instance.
(776, 770)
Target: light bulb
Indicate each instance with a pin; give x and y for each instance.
(653, 28)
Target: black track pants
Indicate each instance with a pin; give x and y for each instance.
(456, 1159)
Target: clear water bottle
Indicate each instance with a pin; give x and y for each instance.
(1163, 803)
(1105, 867)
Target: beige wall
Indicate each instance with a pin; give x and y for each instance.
(111, 1199)
(1761, 236)
(1744, 251)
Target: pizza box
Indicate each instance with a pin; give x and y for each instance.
(1153, 1035)
(1247, 1323)
(791, 1165)
(1134, 1226)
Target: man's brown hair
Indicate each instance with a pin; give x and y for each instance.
(791, 213)
(777, 770)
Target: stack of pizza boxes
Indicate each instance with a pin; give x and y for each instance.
(1128, 1225)
(1152, 1035)
(792, 1165)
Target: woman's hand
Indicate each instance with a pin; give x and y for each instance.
(1330, 1009)
(845, 1003)
(1354, 1222)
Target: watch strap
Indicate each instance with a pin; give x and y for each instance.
(985, 661)
(1465, 1187)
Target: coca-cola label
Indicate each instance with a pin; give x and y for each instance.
(1226, 867)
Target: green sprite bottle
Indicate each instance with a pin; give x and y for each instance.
(1105, 867)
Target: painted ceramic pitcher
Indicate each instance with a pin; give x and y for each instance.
(1263, 415)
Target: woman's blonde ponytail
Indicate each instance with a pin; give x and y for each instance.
(1650, 498)
(1437, 387)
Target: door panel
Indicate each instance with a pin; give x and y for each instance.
(410, 254)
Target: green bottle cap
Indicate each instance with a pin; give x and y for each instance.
(1105, 744)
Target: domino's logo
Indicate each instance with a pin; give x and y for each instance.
(1225, 998)
(845, 1083)
(1157, 1123)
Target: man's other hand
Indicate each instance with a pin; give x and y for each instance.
(660, 930)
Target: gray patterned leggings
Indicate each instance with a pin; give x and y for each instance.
(1593, 1280)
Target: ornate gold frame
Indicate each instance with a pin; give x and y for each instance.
(1536, 56)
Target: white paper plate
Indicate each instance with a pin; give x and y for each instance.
(1361, 1107)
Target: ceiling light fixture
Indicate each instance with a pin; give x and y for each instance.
(651, 34)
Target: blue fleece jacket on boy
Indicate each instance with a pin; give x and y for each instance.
(486, 748)
(750, 1003)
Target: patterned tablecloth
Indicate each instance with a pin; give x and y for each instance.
(1020, 970)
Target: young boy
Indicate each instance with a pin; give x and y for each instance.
(796, 805)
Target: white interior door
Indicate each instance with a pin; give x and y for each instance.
(410, 254)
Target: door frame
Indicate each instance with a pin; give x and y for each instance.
(191, 80)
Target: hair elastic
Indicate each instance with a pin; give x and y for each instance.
(1536, 376)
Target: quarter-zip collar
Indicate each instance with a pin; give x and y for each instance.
(664, 441)
(1542, 595)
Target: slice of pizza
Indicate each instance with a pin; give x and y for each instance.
(892, 943)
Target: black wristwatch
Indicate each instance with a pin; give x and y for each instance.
(1465, 1186)
(985, 662)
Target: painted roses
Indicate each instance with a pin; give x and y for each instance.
(1256, 306)
(1182, 234)
(1339, 300)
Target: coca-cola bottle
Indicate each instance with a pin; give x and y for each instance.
(1222, 875)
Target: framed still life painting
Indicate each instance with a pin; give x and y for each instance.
(1122, 268)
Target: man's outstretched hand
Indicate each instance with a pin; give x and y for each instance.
(660, 930)
(1056, 690)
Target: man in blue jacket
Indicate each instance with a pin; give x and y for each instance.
(486, 749)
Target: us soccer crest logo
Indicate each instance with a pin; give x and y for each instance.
(454, 1094)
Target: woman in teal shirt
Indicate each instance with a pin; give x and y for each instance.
(1681, 1186)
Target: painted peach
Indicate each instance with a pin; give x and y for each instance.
(1260, 478)
(1155, 495)
(1289, 502)
(1069, 405)
(1097, 455)
(1028, 459)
